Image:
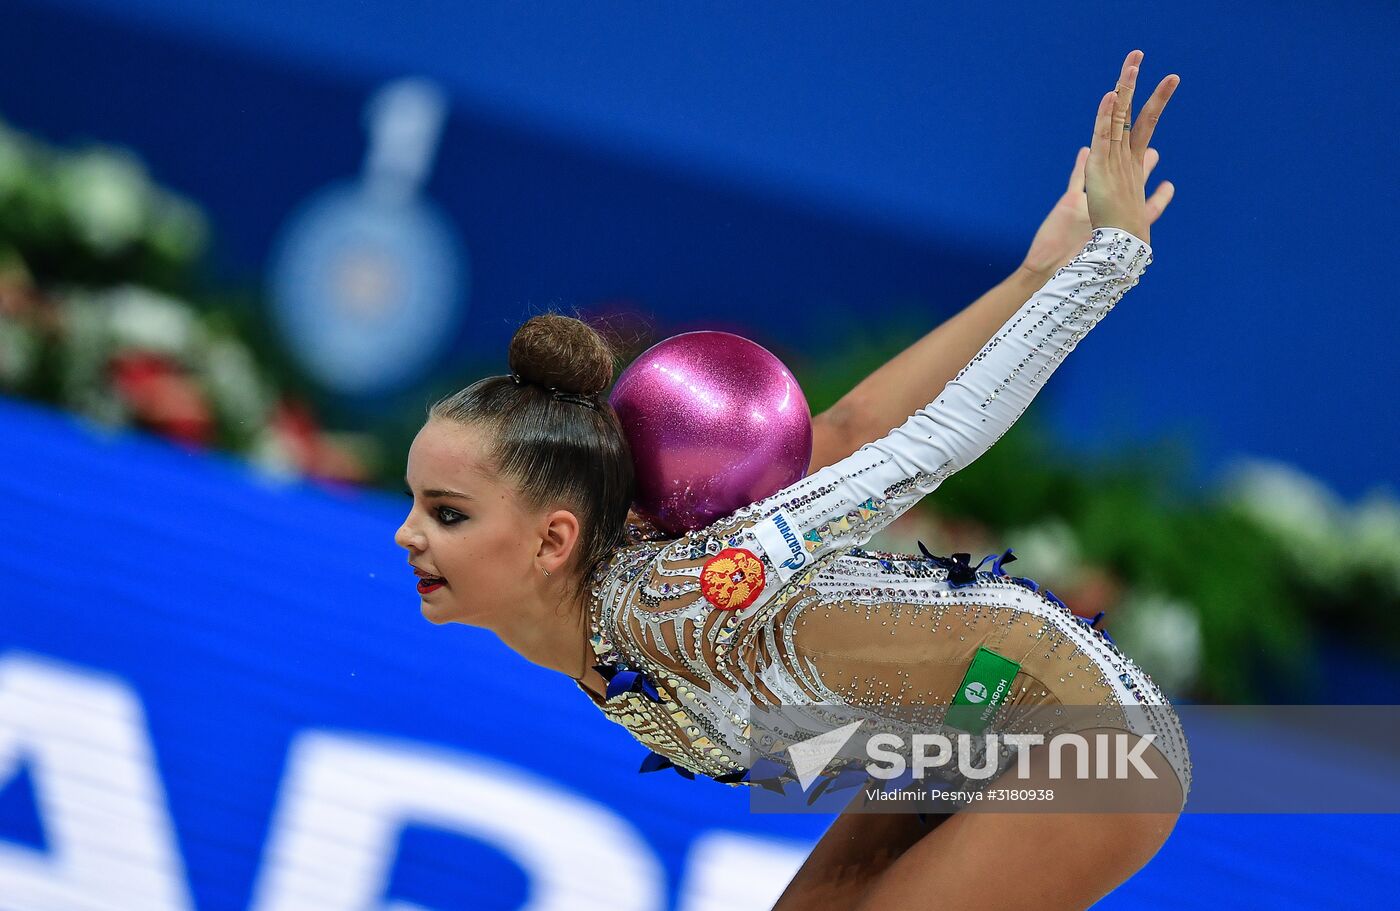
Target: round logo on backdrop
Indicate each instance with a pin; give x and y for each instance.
(732, 578)
(975, 692)
(366, 289)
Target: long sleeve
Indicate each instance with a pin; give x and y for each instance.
(847, 503)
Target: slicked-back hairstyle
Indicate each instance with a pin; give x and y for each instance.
(556, 451)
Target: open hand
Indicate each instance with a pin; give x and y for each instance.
(1067, 228)
(1113, 175)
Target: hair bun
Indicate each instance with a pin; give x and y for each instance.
(564, 353)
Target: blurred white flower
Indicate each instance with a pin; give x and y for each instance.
(1282, 497)
(13, 162)
(19, 352)
(1162, 635)
(1305, 516)
(178, 227)
(1374, 538)
(141, 318)
(1327, 538)
(232, 378)
(273, 461)
(105, 194)
(84, 350)
(1049, 549)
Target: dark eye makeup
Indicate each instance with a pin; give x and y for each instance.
(445, 514)
(448, 516)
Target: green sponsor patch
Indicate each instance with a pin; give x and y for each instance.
(984, 688)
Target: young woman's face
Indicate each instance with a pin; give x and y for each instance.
(465, 528)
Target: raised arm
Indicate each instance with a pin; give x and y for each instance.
(899, 386)
(849, 502)
(892, 392)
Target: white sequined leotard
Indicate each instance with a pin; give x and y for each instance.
(777, 603)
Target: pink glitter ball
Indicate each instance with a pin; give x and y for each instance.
(715, 422)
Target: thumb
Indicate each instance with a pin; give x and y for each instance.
(1076, 176)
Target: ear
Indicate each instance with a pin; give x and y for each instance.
(559, 538)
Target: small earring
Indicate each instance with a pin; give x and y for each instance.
(546, 572)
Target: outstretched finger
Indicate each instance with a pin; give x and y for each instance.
(1159, 200)
(1127, 80)
(1076, 176)
(1123, 110)
(1152, 112)
(1149, 161)
(1103, 121)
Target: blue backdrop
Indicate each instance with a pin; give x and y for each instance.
(216, 692)
(797, 172)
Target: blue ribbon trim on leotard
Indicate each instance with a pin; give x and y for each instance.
(961, 572)
(830, 784)
(959, 566)
(1007, 557)
(1092, 624)
(768, 774)
(620, 681)
(655, 762)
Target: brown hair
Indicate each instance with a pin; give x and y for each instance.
(555, 450)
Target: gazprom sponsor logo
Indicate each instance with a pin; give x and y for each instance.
(799, 554)
(780, 542)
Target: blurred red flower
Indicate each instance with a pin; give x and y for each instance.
(310, 450)
(162, 396)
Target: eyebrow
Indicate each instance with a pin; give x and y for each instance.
(448, 493)
(443, 493)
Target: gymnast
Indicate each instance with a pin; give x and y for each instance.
(521, 523)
